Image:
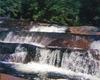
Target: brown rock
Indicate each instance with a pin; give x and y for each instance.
(82, 43)
(9, 77)
(77, 30)
(84, 30)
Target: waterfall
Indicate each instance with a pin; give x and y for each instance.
(48, 56)
(78, 61)
(41, 50)
(82, 61)
(50, 71)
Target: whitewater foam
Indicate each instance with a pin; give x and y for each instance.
(19, 55)
(53, 28)
(95, 45)
(33, 67)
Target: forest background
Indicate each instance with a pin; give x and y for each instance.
(66, 12)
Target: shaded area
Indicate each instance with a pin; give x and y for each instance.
(90, 12)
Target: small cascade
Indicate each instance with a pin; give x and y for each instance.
(82, 61)
(18, 56)
(36, 38)
(48, 56)
(9, 36)
(47, 39)
(69, 51)
(78, 61)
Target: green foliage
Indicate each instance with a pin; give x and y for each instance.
(9, 7)
(71, 12)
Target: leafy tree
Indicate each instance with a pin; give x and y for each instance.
(58, 11)
(9, 8)
(71, 12)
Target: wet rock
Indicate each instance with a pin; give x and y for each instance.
(9, 77)
(84, 30)
(82, 43)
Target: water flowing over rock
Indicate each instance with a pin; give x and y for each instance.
(52, 28)
(78, 61)
(50, 71)
(29, 38)
(71, 51)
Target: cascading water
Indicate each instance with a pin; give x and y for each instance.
(36, 38)
(81, 62)
(77, 61)
(47, 70)
(33, 46)
(18, 56)
(9, 36)
(48, 56)
(95, 45)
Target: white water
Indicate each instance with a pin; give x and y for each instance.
(53, 29)
(11, 38)
(48, 56)
(77, 61)
(83, 62)
(18, 56)
(33, 67)
(80, 63)
(95, 45)
(36, 40)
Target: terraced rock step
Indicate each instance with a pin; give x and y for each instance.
(58, 40)
(70, 48)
